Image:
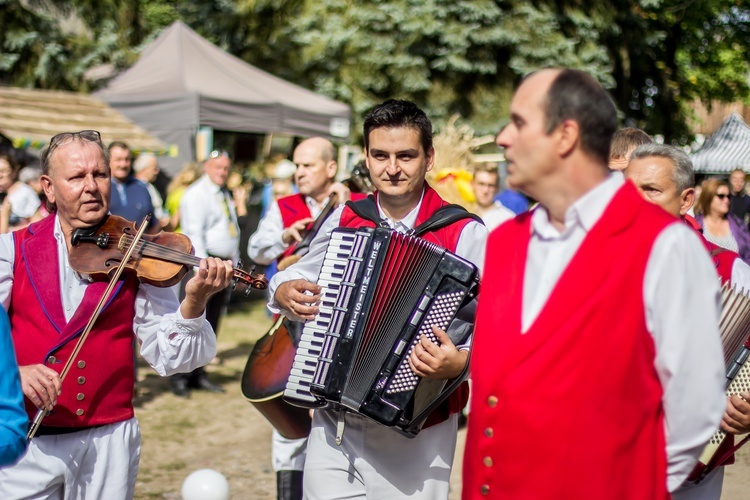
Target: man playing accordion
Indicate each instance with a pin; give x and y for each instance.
(372, 460)
(664, 175)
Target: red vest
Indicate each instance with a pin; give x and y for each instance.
(572, 408)
(98, 389)
(722, 258)
(294, 208)
(447, 238)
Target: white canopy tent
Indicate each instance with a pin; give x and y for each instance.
(726, 149)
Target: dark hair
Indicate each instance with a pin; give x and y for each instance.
(14, 167)
(117, 144)
(577, 96)
(626, 139)
(397, 113)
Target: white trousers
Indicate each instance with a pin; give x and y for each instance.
(288, 454)
(708, 489)
(98, 463)
(376, 462)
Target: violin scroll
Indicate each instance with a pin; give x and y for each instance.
(257, 282)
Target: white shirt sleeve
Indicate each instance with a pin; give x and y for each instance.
(169, 342)
(472, 243)
(741, 275)
(308, 267)
(192, 215)
(7, 256)
(681, 294)
(265, 244)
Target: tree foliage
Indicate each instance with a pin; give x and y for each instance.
(465, 56)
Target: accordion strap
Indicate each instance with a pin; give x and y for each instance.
(446, 215)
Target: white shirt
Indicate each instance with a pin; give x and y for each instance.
(681, 297)
(496, 215)
(203, 218)
(169, 342)
(265, 245)
(24, 202)
(156, 201)
(471, 246)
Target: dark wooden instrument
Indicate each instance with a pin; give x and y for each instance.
(160, 259)
(265, 376)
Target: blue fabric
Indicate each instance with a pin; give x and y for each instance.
(13, 419)
(513, 200)
(136, 202)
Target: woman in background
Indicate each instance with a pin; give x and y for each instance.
(719, 226)
(20, 204)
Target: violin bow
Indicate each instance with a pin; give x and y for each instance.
(41, 412)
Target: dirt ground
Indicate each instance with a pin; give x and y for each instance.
(225, 433)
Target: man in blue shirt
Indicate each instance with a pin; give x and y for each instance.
(130, 197)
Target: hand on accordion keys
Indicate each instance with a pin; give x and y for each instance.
(442, 362)
(737, 415)
(299, 297)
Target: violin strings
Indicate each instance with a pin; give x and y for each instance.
(155, 250)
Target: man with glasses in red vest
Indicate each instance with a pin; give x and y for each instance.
(88, 446)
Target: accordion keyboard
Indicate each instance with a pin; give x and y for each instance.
(341, 248)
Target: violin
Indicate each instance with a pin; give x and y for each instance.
(160, 259)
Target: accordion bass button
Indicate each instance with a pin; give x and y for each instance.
(492, 401)
(484, 490)
(487, 461)
(489, 432)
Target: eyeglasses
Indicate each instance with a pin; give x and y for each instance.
(86, 135)
(217, 153)
(722, 196)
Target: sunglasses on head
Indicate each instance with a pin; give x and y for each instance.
(217, 153)
(85, 135)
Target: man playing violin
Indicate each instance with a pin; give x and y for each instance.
(278, 233)
(89, 444)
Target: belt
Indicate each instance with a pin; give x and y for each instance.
(46, 430)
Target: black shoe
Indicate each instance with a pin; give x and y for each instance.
(289, 485)
(207, 385)
(179, 387)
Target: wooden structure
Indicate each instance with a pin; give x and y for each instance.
(29, 118)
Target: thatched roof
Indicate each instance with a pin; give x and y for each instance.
(31, 117)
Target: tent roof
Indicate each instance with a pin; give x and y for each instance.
(31, 117)
(728, 148)
(180, 61)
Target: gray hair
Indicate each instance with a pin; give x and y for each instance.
(29, 174)
(682, 174)
(142, 161)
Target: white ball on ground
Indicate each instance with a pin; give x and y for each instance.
(205, 484)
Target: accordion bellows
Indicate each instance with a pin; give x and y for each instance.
(381, 291)
(734, 327)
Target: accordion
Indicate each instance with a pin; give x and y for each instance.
(381, 291)
(734, 327)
